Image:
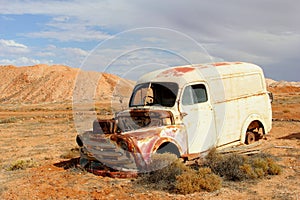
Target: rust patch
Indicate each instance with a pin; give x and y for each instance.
(226, 63)
(220, 64)
(106, 126)
(176, 71)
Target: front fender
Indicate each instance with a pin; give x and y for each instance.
(176, 135)
(147, 141)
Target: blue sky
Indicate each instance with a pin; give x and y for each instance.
(125, 36)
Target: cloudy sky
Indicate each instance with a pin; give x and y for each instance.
(122, 37)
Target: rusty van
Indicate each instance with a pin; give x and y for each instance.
(184, 110)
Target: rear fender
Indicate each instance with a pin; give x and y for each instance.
(247, 122)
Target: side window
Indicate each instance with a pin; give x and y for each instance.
(194, 94)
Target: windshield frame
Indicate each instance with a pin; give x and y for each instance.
(162, 94)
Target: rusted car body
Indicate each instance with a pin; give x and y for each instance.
(184, 110)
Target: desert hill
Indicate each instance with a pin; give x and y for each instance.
(282, 86)
(55, 83)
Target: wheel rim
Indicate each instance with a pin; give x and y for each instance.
(250, 138)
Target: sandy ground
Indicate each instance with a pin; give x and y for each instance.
(44, 138)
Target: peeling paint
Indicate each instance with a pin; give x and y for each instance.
(176, 71)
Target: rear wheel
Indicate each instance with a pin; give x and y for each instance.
(250, 138)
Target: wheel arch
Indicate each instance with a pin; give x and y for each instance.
(166, 145)
(252, 122)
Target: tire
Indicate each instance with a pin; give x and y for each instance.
(250, 138)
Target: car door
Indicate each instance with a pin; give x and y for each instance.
(198, 117)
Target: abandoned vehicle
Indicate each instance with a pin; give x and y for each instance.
(185, 110)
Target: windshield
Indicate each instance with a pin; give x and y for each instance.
(161, 93)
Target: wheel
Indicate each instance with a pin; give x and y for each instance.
(250, 138)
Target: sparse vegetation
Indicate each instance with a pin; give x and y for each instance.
(163, 171)
(196, 181)
(21, 164)
(237, 167)
(172, 175)
(72, 153)
(8, 120)
(226, 166)
(177, 177)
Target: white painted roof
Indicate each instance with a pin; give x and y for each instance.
(197, 72)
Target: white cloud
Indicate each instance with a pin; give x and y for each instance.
(69, 35)
(11, 43)
(75, 52)
(9, 47)
(64, 28)
(22, 61)
(13, 53)
(62, 55)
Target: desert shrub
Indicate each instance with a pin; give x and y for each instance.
(261, 166)
(72, 153)
(239, 167)
(8, 120)
(196, 181)
(227, 166)
(172, 175)
(21, 164)
(162, 172)
(274, 168)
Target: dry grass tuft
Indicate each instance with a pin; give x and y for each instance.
(177, 177)
(21, 164)
(239, 167)
(165, 169)
(196, 181)
(173, 175)
(8, 120)
(72, 153)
